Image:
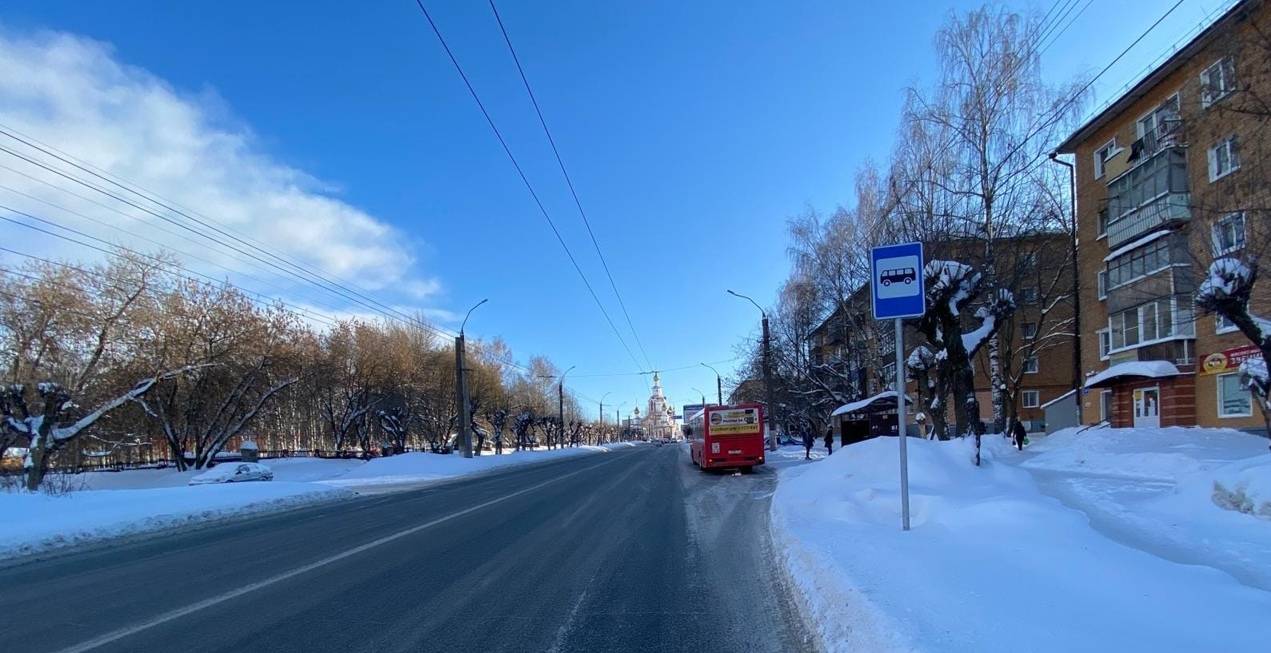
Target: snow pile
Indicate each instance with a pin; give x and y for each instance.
(991, 564)
(413, 468)
(33, 522)
(1243, 486)
(136, 501)
(1162, 454)
(1226, 276)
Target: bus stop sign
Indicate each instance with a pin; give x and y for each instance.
(896, 282)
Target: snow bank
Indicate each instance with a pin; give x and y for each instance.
(991, 564)
(31, 523)
(424, 467)
(114, 504)
(1164, 454)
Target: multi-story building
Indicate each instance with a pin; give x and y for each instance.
(1167, 178)
(1036, 354)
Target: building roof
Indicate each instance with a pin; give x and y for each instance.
(1148, 369)
(1145, 85)
(886, 400)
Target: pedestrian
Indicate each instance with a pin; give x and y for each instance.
(498, 444)
(1019, 434)
(829, 440)
(808, 441)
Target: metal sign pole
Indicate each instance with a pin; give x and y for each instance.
(900, 418)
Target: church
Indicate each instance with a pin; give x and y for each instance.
(659, 421)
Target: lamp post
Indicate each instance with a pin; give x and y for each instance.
(461, 387)
(719, 386)
(700, 394)
(767, 374)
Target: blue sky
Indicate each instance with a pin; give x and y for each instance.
(692, 131)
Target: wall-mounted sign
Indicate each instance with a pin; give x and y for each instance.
(1228, 360)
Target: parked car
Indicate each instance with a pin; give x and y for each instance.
(234, 473)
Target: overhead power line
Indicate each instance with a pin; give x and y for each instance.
(569, 182)
(525, 180)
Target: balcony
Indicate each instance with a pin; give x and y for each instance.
(1152, 194)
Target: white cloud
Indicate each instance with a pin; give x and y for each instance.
(74, 94)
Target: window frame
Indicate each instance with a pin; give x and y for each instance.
(1228, 75)
(1218, 384)
(1221, 224)
(1101, 160)
(1101, 283)
(1174, 97)
(1023, 330)
(1035, 364)
(1105, 412)
(1232, 148)
(1036, 395)
(1104, 337)
(1222, 329)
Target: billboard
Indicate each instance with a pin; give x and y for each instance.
(735, 421)
(690, 410)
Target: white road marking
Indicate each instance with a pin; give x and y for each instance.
(121, 633)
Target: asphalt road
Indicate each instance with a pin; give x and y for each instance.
(631, 550)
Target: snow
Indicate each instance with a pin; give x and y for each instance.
(959, 277)
(995, 563)
(1224, 277)
(254, 472)
(972, 341)
(113, 504)
(1256, 369)
(1150, 369)
(858, 405)
(1136, 244)
(32, 522)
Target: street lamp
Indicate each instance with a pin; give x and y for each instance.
(560, 406)
(767, 374)
(602, 407)
(700, 394)
(719, 386)
(461, 389)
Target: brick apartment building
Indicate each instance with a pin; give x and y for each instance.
(1167, 178)
(1037, 342)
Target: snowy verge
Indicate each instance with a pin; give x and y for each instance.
(991, 564)
(119, 504)
(35, 523)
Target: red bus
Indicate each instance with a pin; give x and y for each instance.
(726, 436)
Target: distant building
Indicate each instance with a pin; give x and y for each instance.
(659, 419)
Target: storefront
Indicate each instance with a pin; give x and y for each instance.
(1145, 394)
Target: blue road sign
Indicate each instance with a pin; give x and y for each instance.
(896, 281)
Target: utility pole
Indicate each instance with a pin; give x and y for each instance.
(767, 375)
(1076, 284)
(719, 386)
(461, 394)
(560, 406)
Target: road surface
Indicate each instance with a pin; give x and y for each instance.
(631, 550)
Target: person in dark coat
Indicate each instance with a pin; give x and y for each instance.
(1018, 434)
(808, 441)
(829, 440)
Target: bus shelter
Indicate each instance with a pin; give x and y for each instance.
(867, 418)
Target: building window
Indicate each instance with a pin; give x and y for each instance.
(1029, 330)
(1105, 405)
(1030, 364)
(1102, 223)
(1217, 81)
(1028, 295)
(1103, 155)
(1223, 325)
(1138, 263)
(1103, 284)
(1233, 397)
(1032, 398)
(1105, 343)
(1229, 233)
(1160, 119)
(1151, 322)
(1224, 158)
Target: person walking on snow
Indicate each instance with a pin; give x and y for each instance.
(1018, 434)
(808, 441)
(829, 440)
